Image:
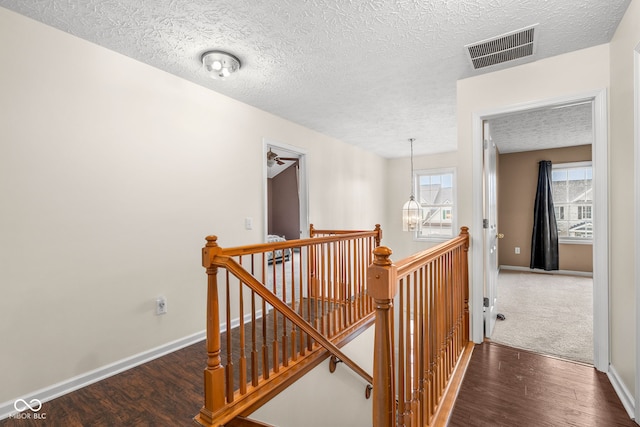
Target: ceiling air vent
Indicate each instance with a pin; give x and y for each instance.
(506, 47)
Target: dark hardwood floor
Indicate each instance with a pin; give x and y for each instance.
(502, 387)
(505, 386)
(167, 391)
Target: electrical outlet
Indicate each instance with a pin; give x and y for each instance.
(517, 250)
(161, 305)
(248, 223)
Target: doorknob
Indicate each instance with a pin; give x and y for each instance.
(500, 236)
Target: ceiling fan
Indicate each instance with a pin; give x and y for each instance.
(273, 158)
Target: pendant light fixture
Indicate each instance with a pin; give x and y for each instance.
(411, 211)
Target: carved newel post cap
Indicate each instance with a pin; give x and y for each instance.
(210, 250)
(212, 240)
(382, 255)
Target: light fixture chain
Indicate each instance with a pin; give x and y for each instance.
(412, 183)
(412, 210)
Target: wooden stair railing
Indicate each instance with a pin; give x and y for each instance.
(431, 289)
(286, 307)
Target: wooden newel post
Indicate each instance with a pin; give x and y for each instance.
(214, 395)
(382, 287)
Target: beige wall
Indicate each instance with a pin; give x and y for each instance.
(517, 183)
(112, 173)
(622, 257)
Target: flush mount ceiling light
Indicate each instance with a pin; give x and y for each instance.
(220, 65)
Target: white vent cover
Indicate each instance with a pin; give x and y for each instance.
(506, 47)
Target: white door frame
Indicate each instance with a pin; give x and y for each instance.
(490, 234)
(600, 217)
(636, 137)
(303, 184)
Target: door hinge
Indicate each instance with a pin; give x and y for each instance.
(485, 223)
(486, 302)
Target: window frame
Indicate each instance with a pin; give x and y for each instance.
(453, 207)
(581, 206)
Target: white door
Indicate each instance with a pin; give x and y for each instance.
(490, 233)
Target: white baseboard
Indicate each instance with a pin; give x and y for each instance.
(621, 390)
(535, 270)
(67, 386)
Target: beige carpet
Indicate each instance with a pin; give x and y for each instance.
(548, 314)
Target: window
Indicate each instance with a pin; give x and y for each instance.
(573, 201)
(584, 212)
(436, 195)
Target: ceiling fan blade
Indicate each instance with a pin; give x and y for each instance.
(271, 155)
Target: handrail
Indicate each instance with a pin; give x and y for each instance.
(413, 262)
(253, 283)
(262, 247)
(313, 232)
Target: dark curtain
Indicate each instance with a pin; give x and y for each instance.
(544, 241)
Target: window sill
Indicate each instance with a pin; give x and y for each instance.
(575, 242)
(433, 239)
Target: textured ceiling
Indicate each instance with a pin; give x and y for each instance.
(371, 73)
(544, 128)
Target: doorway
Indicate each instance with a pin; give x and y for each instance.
(600, 239)
(546, 313)
(285, 192)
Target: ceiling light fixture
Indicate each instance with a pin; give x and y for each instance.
(220, 65)
(411, 211)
